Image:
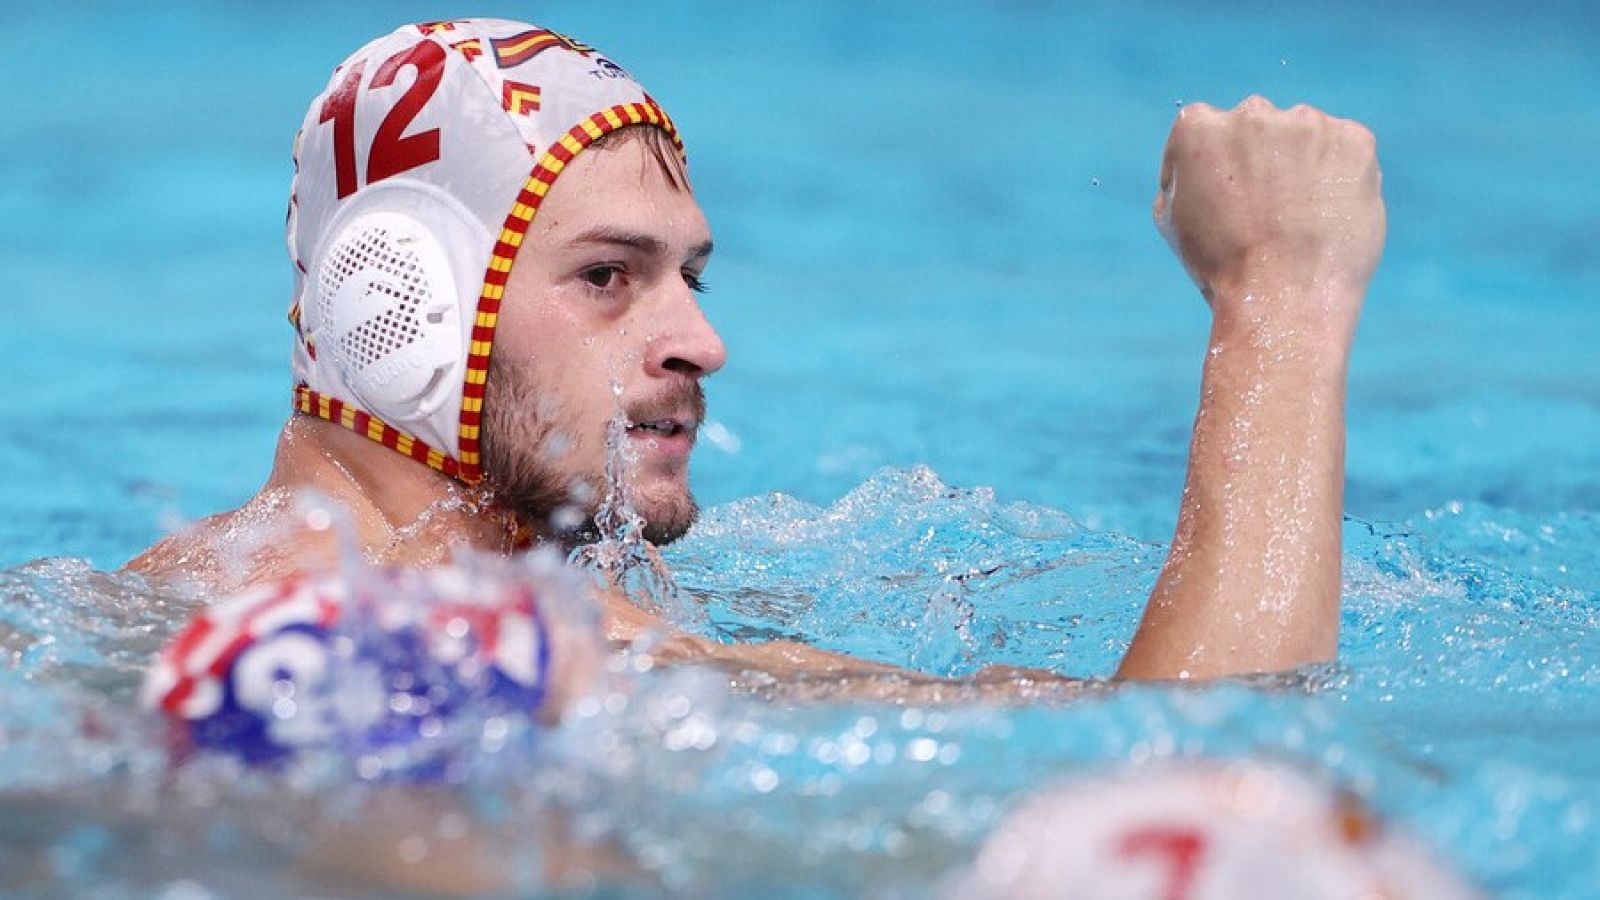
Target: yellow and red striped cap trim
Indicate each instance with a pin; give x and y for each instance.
(334, 410)
(504, 254)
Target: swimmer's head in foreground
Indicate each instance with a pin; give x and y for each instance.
(496, 256)
(393, 669)
(1201, 829)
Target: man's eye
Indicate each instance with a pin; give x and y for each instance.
(601, 277)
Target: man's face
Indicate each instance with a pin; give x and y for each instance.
(601, 316)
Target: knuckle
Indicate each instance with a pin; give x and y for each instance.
(1255, 104)
(1306, 114)
(1358, 136)
(1192, 126)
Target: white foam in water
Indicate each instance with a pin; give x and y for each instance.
(666, 770)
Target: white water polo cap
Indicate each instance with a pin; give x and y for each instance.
(417, 172)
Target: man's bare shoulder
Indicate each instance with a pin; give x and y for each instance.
(225, 552)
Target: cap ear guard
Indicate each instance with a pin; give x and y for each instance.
(387, 309)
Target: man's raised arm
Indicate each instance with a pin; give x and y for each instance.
(1279, 219)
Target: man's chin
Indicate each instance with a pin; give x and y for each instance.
(666, 512)
(667, 519)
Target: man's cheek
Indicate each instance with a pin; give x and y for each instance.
(557, 448)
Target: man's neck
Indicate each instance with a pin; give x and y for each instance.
(401, 510)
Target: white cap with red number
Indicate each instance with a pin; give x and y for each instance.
(1200, 831)
(417, 172)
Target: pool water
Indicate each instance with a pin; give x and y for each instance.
(962, 369)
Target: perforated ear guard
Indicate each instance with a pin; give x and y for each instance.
(387, 311)
(387, 305)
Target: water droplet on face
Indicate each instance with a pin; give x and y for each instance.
(567, 518)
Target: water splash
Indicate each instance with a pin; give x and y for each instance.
(898, 562)
(666, 770)
(620, 555)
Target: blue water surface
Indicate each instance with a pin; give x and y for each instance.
(955, 343)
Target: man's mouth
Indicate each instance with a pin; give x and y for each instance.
(667, 423)
(672, 436)
(661, 427)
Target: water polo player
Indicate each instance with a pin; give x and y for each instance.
(497, 252)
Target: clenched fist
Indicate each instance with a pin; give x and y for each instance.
(1271, 208)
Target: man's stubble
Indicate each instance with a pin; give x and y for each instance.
(523, 447)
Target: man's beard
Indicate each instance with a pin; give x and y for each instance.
(521, 448)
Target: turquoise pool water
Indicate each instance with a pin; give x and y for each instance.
(942, 298)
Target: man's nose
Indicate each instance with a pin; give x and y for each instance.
(683, 341)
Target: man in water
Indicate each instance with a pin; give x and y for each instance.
(497, 255)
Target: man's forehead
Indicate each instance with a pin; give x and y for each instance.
(619, 195)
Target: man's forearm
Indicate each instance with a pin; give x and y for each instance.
(1278, 217)
(1252, 580)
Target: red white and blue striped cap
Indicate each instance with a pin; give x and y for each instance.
(258, 675)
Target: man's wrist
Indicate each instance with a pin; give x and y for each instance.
(1285, 342)
(1274, 308)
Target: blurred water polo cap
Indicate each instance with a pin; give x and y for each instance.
(1201, 830)
(381, 668)
(417, 172)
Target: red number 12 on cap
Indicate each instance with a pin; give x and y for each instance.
(392, 151)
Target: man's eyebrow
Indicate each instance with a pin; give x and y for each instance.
(637, 240)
